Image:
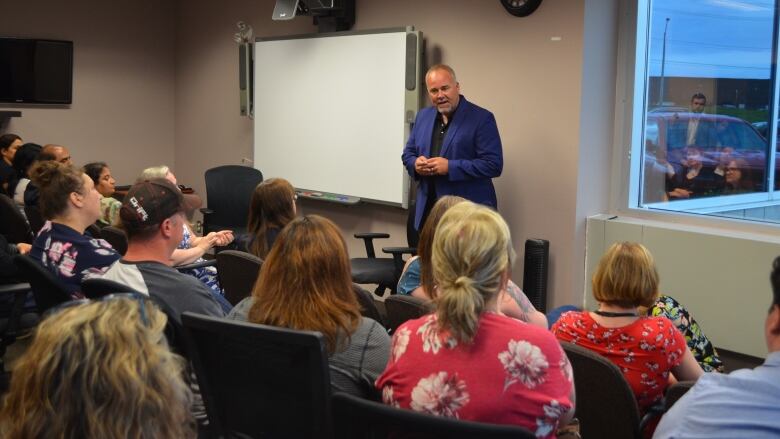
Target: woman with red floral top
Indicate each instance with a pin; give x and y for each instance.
(646, 349)
(469, 361)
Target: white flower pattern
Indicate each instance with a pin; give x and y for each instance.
(547, 423)
(400, 341)
(430, 336)
(440, 395)
(387, 397)
(525, 362)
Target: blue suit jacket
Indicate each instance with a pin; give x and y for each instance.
(472, 146)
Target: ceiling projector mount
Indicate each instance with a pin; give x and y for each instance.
(328, 15)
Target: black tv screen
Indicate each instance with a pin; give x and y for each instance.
(36, 71)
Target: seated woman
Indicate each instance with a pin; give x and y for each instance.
(305, 284)
(68, 199)
(9, 143)
(467, 360)
(272, 207)
(646, 349)
(737, 178)
(193, 247)
(23, 160)
(99, 370)
(695, 180)
(100, 174)
(417, 277)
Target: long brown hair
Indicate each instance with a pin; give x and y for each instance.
(426, 241)
(55, 181)
(305, 282)
(271, 207)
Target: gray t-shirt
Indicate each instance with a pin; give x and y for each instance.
(176, 291)
(355, 368)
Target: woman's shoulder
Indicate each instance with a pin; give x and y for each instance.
(241, 310)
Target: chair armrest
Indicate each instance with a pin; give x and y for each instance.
(194, 265)
(398, 260)
(19, 291)
(205, 211)
(15, 288)
(368, 239)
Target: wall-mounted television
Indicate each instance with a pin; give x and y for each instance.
(36, 71)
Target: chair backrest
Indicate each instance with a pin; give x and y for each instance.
(237, 273)
(13, 225)
(34, 217)
(96, 287)
(260, 381)
(116, 237)
(401, 307)
(229, 191)
(606, 406)
(46, 288)
(93, 230)
(675, 392)
(367, 306)
(355, 418)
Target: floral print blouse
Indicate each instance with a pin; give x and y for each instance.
(512, 373)
(71, 256)
(645, 350)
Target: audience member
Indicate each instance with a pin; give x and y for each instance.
(468, 361)
(305, 284)
(741, 404)
(152, 215)
(100, 174)
(23, 161)
(49, 152)
(9, 143)
(272, 207)
(737, 178)
(417, 276)
(99, 370)
(69, 201)
(646, 349)
(192, 247)
(695, 180)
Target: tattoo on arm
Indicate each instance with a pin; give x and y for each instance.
(521, 299)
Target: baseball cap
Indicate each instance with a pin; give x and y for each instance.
(150, 202)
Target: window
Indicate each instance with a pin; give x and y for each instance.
(706, 88)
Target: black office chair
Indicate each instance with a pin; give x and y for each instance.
(47, 289)
(260, 381)
(229, 190)
(16, 322)
(401, 307)
(93, 230)
(238, 272)
(358, 418)
(384, 272)
(94, 288)
(606, 405)
(116, 237)
(13, 226)
(368, 307)
(34, 217)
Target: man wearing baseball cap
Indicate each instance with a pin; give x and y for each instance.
(153, 215)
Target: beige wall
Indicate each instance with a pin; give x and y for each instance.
(123, 80)
(527, 71)
(164, 85)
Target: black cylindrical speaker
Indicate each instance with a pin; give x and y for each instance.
(537, 255)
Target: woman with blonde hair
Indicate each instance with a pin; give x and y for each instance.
(305, 284)
(645, 348)
(99, 370)
(417, 276)
(272, 207)
(467, 360)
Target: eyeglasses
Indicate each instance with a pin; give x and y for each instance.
(78, 302)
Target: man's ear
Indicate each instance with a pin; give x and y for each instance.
(166, 227)
(773, 320)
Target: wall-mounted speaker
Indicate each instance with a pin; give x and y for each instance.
(245, 78)
(535, 270)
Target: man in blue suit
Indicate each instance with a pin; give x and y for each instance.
(454, 147)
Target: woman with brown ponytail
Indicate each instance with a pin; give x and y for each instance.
(467, 360)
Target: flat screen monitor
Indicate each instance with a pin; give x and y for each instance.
(36, 71)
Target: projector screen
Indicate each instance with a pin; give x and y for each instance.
(332, 111)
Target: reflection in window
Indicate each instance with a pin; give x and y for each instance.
(708, 107)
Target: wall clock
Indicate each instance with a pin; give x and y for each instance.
(521, 8)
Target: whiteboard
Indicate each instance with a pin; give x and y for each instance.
(332, 111)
